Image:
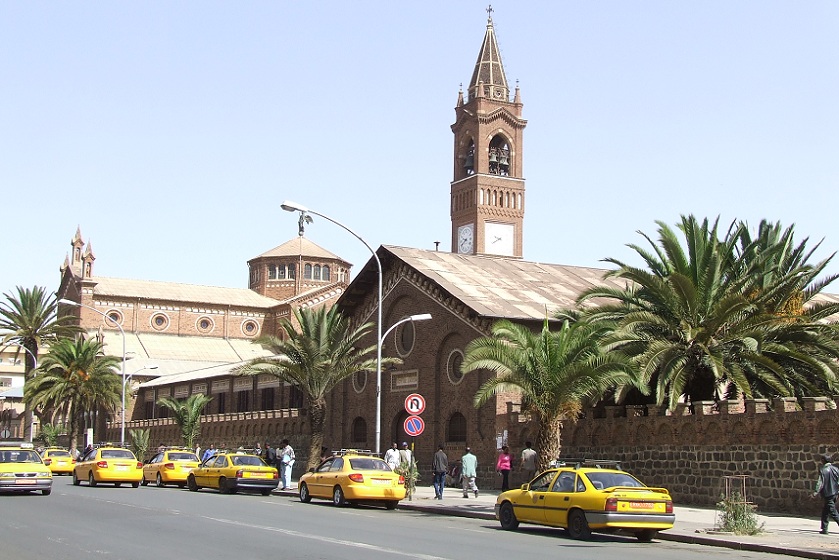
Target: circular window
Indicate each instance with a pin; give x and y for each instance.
(250, 328)
(159, 321)
(359, 381)
(405, 337)
(113, 316)
(453, 365)
(205, 324)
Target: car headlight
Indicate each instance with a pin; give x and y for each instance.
(7, 475)
(44, 474)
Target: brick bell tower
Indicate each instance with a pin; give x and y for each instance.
(487, 193)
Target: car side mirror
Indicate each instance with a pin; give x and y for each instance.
(312, 470)
(525, 487)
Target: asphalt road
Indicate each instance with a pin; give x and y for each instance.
(169, 523)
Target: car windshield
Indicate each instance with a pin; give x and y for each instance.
(182, 457)
(19, 457)
(116, 454)
(609, 480)
(368, 464)
(247, 461)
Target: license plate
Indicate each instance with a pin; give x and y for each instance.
(256, 475)
(381, 482)
(119, 468)
(641, 505)
(26, 481)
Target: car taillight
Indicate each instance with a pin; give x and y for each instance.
(668, 506)
(401, 480)
(170, 466)
(612, 504)
(276, 475)
(47, 461)
(240, 473)
(139, 465)
(102, 464)
(356, 477)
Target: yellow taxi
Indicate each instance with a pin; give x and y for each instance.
(22, 470)
(584, 496)
(58, 460)
(114, 465)
(170, 466)
(353, 476)
(230, 472)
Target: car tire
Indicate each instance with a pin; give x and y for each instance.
(91, 481)
(46, 492)
(222, 486)
(159, 481)
(191, 484)
(76, 480)
(144, 482)
(135, 485)
(646, 535)
(305, 497)
(266, 491)
(507, 517)
(578, 527)
(338, 497)
(181, 484)
(391, 504)
(117, 484)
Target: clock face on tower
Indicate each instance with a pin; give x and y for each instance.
(465, 238)
(498, 238)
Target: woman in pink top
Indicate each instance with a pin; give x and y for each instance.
(503, 466)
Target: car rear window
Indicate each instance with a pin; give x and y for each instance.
(59, 453)
(182, 457)
(368, 464)
(247, 461)
(116, 454)
(609, 480)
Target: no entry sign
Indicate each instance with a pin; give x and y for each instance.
(414, 404)
(414, 425)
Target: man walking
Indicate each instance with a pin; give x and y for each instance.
(439, 466)
(528, 462)
(828, 487)
(468, 472)
(392, 457)
(286, 459)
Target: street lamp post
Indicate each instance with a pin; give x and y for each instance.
(127, 381)
(290, 206)
(122, 332)
(34, 367)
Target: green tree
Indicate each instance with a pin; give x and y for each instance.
(322, 354)
(187, 413)
(140, 441)
(50, 433)
(29, 318)
(73, 377)
(555, 372)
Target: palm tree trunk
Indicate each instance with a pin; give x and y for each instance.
(547, 441)
(317, 414)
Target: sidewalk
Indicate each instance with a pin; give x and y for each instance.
(793, 536)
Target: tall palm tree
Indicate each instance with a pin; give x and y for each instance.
(323, 353)
(557, 373)
(187, 414)
(29, 318)
(73, 377)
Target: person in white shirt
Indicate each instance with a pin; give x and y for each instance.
(392, 457)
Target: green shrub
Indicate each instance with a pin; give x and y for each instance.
(737, 516)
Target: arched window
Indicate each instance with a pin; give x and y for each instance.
(326, 272)
(317, 272)
(281, 271)
(272, 272)
(359, 430)
(499, 156)
(307, 271)
(469, 159)
(292, 271)
(456, 430)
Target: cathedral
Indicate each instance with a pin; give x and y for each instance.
(181, 340)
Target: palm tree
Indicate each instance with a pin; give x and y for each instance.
(139, 441)
(29, 318)
(713, 318)
(73, 377)
(187, 414)
(321, 355)
(555, 372)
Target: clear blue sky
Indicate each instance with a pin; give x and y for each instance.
(170, 132)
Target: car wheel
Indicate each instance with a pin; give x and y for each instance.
(222, 486)
(159, 481)
(90, 480)
(647, 535)
(191, 484)
(46, 492)
(135, 485)
(578, 526)
(181, 484)
(305, 497)
(338, 497)
(391, 504)
(266, 491)
(144, 482)
(76, 480)
(507, 516)
(118, 484)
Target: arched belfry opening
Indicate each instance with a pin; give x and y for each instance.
(499, 156)
(469, 158)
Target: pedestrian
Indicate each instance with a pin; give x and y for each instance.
(503, 466)
(828, 487)
(197, 450)
(209, 452)
(286, 458)
(469, 472)
(405, 455)
(161, 448)
(270, 454)
(257, 450)
(392, 457)
(439, 466)
(528, 462)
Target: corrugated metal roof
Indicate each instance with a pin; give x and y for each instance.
(171, 291)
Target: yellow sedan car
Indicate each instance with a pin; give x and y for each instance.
(351, 477)
(231, 472)
(22, 470)
(171, 466)
(108, 464)
(585, 496)
(58, 460)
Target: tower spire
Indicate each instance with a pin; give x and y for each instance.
(489, 70)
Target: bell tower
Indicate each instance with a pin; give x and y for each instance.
(487, 193)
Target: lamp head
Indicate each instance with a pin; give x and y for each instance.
(68, 302)
(421, 317)
(290, 206)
